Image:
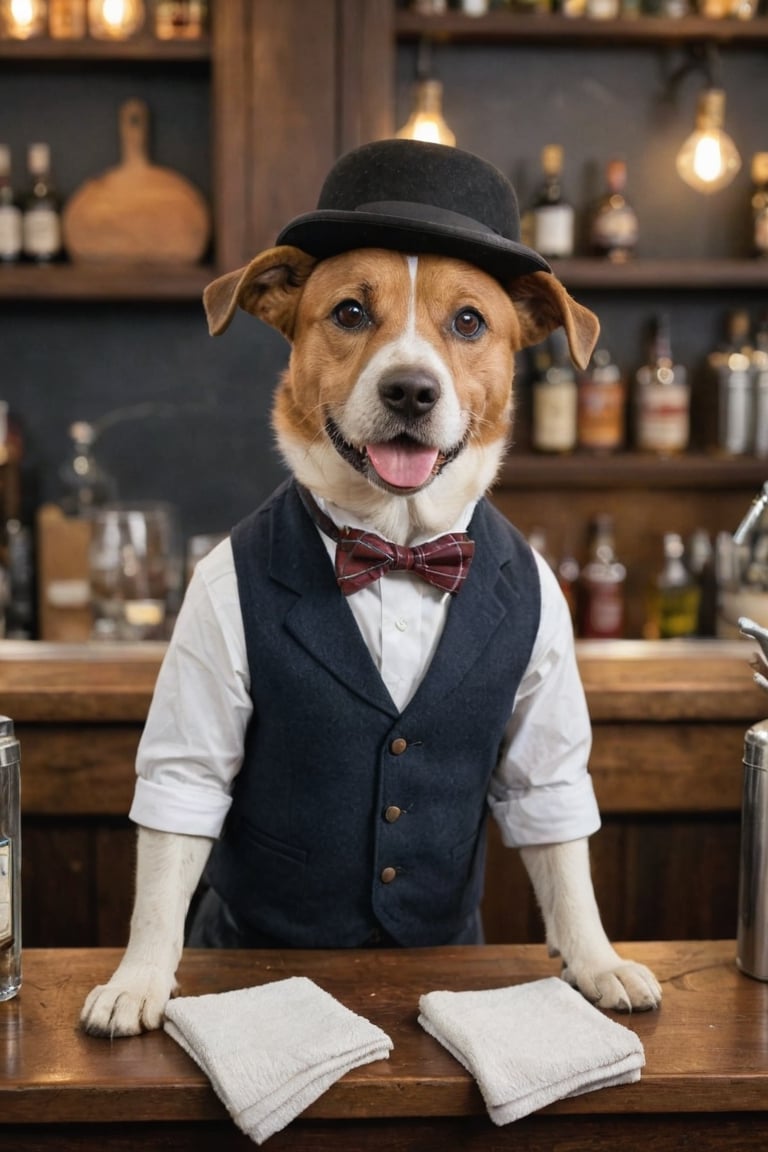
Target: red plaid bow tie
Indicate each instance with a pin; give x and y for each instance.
(363, 557)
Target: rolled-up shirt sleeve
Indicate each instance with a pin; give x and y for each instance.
(192, 745)
(541, 791)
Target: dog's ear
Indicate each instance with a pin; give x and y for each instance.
(543, 304)
(269, 287)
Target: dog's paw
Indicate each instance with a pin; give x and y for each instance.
(624, 986)
(133, 1001)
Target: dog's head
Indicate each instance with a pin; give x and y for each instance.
(404, 322)
(401, 368)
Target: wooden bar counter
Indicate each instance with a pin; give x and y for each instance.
(668, 724)
(704, 1087)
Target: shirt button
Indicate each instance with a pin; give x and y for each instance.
(392, 813)
(388, 875)
(401, 624)
(398, 746)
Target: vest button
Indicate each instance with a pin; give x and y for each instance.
(392, 813)
(398, 746)
(388, 875)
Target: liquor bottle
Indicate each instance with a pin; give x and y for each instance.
(537, 538)
(20, 606)
(700, 561)
(674, 596)
(603, 9)
(662, 398)
(22, 21)
(10, 213)
(760, 389)
(760, 203)
(602, 401)
(567, 573)
(553, 215)
(180, 19)
(602, 586)
(41, 223)
(555, 397)
(85, 485)
(732, 368)
(67, 19)
(614, 226)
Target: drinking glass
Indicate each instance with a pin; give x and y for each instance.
(134, 568)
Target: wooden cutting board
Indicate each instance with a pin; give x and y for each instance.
(136, 212)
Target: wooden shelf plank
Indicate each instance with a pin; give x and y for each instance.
(89, 282)
(585, 471)
(699, 275)
(555, 28)
(145, 48)
(93, 282)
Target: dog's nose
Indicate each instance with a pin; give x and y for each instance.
(411, 394)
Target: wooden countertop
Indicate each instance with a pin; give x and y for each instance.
(624, 680)
(706, 1048)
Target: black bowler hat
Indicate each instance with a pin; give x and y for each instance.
(417, 197)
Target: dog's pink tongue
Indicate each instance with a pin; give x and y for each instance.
(402, 465)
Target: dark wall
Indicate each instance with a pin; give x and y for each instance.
(183, 417)
(186, 417)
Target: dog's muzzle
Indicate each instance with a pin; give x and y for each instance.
(402, 464)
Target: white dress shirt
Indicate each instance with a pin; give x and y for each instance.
(192, 746)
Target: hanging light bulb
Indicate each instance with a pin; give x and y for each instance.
(709, 159)
(426, 119)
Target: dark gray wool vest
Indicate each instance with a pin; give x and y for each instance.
(348, 816)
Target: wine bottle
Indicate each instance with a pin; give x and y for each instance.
(602, 400)
(41, 223)
(602, 586)
(555, 397)
(662, 398)
(614, 226)
(553, 215)
(85, 485)
(10, 213)
(731, 367)
(674, 596)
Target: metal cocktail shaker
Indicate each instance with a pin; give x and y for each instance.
(10, 861)
(752, 943)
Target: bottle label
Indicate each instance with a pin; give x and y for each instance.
(10, 232)
(663, 418)
(554, 417)
(553, 229)
(42, 233)
(604, 616)
(601, 415)
(616, 228)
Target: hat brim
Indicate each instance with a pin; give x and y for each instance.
(329, 232)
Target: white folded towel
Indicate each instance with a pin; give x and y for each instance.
(530, 1044)
(270, 1051)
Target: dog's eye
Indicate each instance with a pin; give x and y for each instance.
(350, 314)
(468, 323)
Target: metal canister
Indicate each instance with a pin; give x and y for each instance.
(752, 942)
(10, 860)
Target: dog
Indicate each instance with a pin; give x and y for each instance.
(324, 741)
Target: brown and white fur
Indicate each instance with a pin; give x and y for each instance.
(420, 351)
